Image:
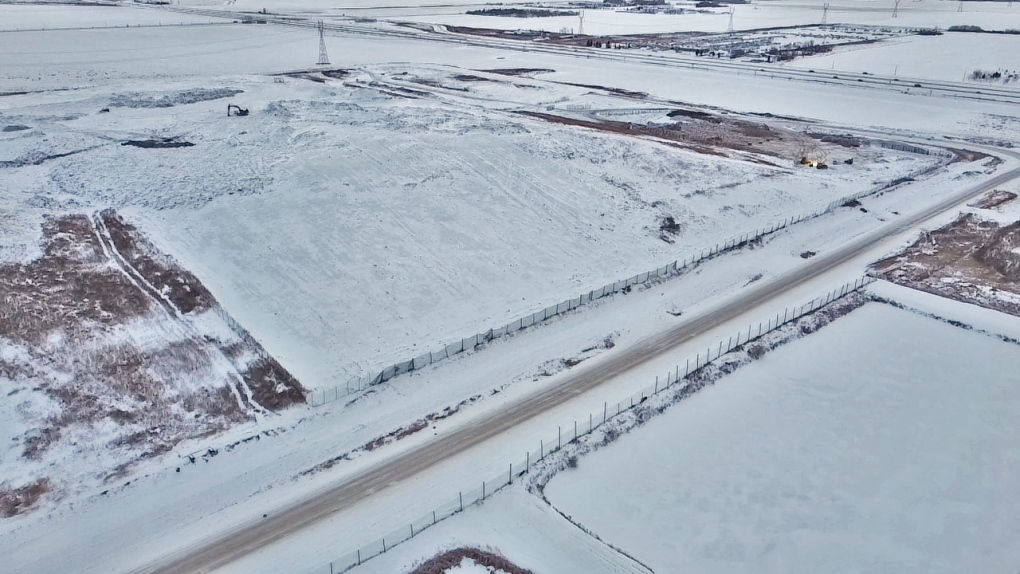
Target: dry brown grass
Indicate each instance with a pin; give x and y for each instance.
(68, 288)
(272, 386)
(19, 500)
(452, 558)
(183, 289)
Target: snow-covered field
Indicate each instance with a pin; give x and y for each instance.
(345, 227)
(758, 14)
(357, 219)
(952, 56)
(854, 449)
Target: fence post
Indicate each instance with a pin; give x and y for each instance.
(460, 495)
(541, 449)
(412, 530)
(590, 426)
(687, 368)
(359, 556)
(433, 517)
(483, 490)
(656, 385)
(510, 476)
(559, 437)
(605, 411)
(575, 431)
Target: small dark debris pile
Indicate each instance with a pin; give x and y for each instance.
(808, 254)
(15, 128)
(159, 143)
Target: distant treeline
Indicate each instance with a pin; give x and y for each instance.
(520, 13)
(1000, 75)
(979, 29)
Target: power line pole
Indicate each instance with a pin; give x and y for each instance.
(323, 57)
(729, 28)
(580, 27)
(960, 8)
(825, 13)
(896, 9)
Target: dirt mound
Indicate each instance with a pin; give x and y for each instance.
(1002, 252)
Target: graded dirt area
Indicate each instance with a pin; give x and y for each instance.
(970, 260)
(716, 134)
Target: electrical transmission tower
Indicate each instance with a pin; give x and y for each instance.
(960, 8)
(825, 13)
(896, 9)
(729, 28)
(323, 57)
(580, 27)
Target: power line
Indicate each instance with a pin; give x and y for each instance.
(323, 57)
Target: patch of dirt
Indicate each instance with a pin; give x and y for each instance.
(519, 71)
(159, 143)
(970, 260)
(451, 559)
(182, 288)
(702, 132)
(993, 199)
(18, 500)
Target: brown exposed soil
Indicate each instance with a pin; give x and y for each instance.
(18, 500)
(182, 288)
(994, 199)
(450, 559)
(702, 132)
(970, 260)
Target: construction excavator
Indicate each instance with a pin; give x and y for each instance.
(237, 110)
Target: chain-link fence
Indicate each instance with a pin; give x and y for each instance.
(323, 395)
(567, 434)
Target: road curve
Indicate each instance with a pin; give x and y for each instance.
(255, 535)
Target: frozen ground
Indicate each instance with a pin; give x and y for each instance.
(952, 56)
(277, 177)
(831, 453)
(989, 15)
(344, 226)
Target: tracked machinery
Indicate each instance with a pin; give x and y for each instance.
(235, 110)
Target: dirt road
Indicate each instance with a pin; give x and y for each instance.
(262, 532)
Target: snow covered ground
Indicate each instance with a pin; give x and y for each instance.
(259, 209)
(832, 453)
(758, 14)
(952, 56)
(344, 227)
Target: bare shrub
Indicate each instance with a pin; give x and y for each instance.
(450, 559)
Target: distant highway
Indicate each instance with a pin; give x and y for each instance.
(673, 60)
(259, 533)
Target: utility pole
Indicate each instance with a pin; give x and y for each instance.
(580, 27)
(729, 28)
(896, 9)
(960, 8)
(825, 13)
(323, 57)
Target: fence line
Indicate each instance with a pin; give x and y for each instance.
(580, 428)
(323, 395)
